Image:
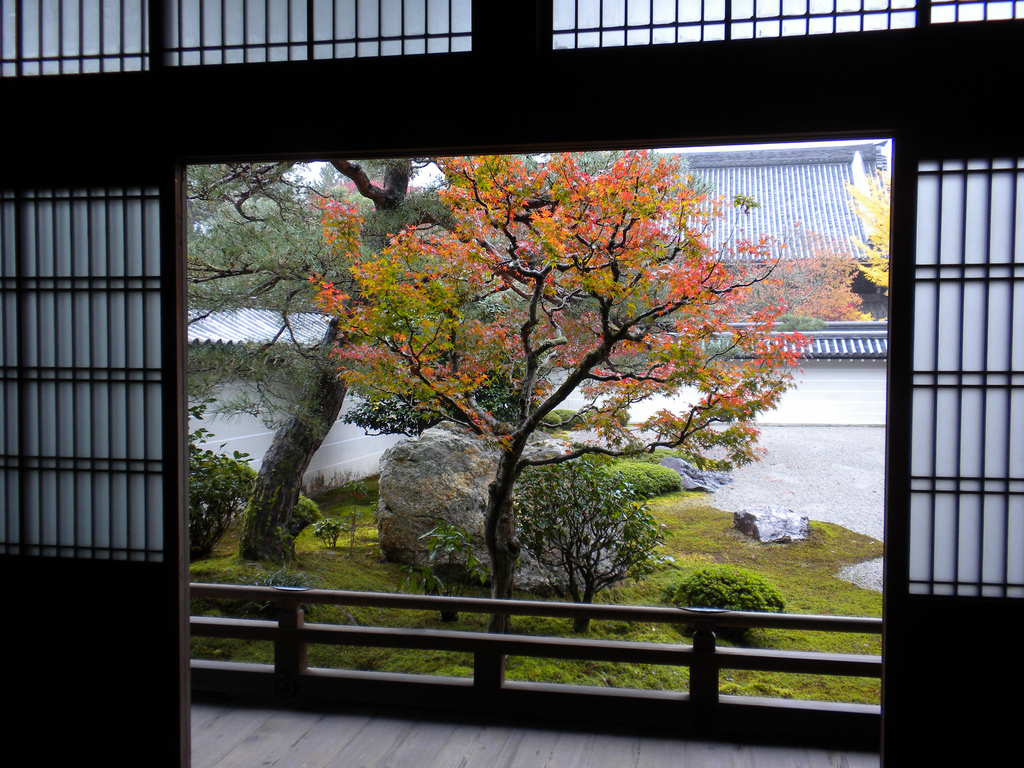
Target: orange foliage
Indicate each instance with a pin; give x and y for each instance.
(558, 280)
(812, 277)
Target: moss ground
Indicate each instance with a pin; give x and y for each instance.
(698, 534)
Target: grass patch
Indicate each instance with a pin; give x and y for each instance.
(699, 534)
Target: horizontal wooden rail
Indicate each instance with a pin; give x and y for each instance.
(629, 613)
(291, 636)
(852, 665)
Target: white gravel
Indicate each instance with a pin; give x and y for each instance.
(831, 474)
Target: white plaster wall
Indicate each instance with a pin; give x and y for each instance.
(833, 392)
(839, 392)
(346, 454)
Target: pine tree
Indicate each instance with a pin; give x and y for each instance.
(256, 238)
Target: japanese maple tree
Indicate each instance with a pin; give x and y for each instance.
(555, 277)
(811, 276)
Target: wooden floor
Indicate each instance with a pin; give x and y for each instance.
(231, 736)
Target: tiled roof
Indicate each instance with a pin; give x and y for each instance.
(847, 341)
(803, 187)
(850, 341)
(838, 341)
(255, 325)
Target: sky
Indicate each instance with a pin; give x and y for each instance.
(431, 173)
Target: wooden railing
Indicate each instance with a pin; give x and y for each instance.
(291, 636)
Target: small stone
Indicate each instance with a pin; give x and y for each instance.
(696, 479)
(772, 524)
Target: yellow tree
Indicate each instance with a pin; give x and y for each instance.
(871, 205)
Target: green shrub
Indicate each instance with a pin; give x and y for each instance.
(307, 510)
(450, 565)
(799, 323)
(723, 586)
(647, 480)
(586, 526)
(728, 588)
(562, 418)
(328, 531)
(404, 415)
(219, 487)
(391, 416)
(354, 518)
(655, 456)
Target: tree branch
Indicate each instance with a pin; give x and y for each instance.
(382, 198)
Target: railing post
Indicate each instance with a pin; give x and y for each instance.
(488, 670)
(704, 675)
(289, 656)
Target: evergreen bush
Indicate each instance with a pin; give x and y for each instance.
(586, 526)
(451, 565)
(800, 323)
(328, 531)
(219, 487)
(307, 510)
(647, 480)
(562, 418)
(729, 588)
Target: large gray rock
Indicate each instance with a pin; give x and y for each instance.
(443, 475)
(772, 524)
(696, 479)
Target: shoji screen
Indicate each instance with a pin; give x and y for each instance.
(967, 450)
(81, 397)
(610, 23)
(60, 37)
(238, 31)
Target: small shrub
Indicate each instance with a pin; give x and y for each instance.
(647, 480)
(354, 489)
(728, 588)
(587, 525)
(655, 457)
(328, 531)
(307, 511)
(799, 323)
(451, 561)
(404, 415)
(391, 416)
(734, 589)
(219, 487)
(562, 418)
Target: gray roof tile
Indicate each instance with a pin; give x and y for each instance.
(838, 341)
(847, 341)
(801, 188)
(255, 325)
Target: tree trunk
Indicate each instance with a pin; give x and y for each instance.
(583, 624)
(269, 526)
(499, 535)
